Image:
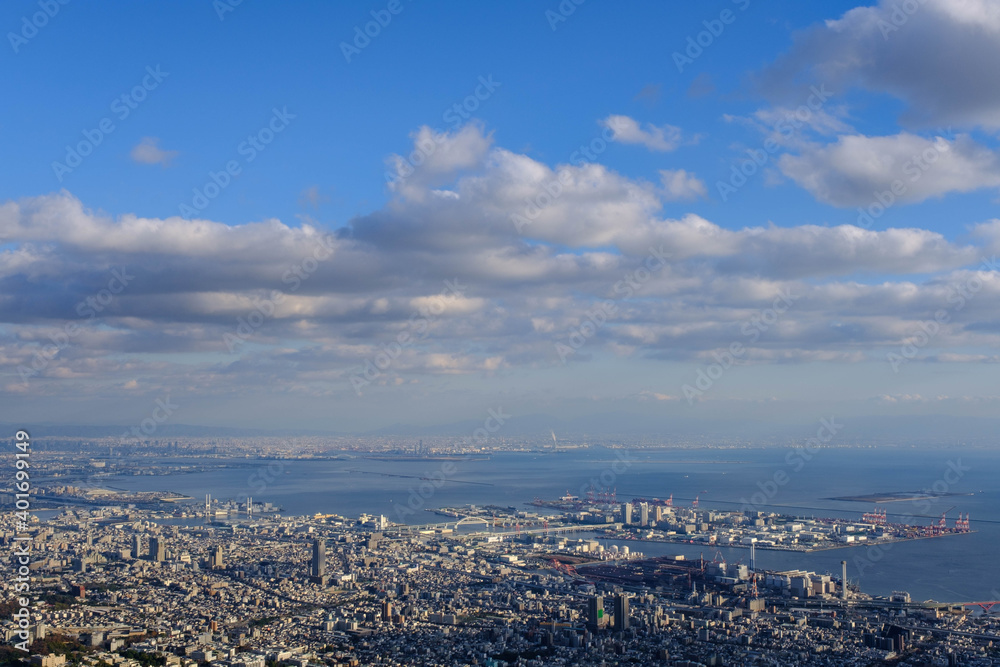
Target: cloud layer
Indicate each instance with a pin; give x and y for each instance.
(483, 260)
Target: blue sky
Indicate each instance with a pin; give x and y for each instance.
(907, 99)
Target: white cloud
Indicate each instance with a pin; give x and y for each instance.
(148, 151)
(678, 185)
(943, 59)
(855, 169)
(628, 131)
(436, 157)
(194, 279)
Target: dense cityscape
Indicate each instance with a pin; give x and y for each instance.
(144, 578)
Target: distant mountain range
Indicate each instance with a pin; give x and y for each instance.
(923, 429)
(163, 431)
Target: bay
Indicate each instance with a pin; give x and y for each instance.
(955, 568)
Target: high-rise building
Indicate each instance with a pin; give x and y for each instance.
(317, 568)
(215, 561)
(621, 613)
(595, 613)
(157, 550)
(137, 546)
(387, 611)
(643, 514)
(843, 580)
(627, 513)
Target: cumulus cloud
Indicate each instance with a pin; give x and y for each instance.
(627, 130)
(941, 57)
(678, 185)
(326, 302)
(148, 151)
(855, 169)
(435, 158)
